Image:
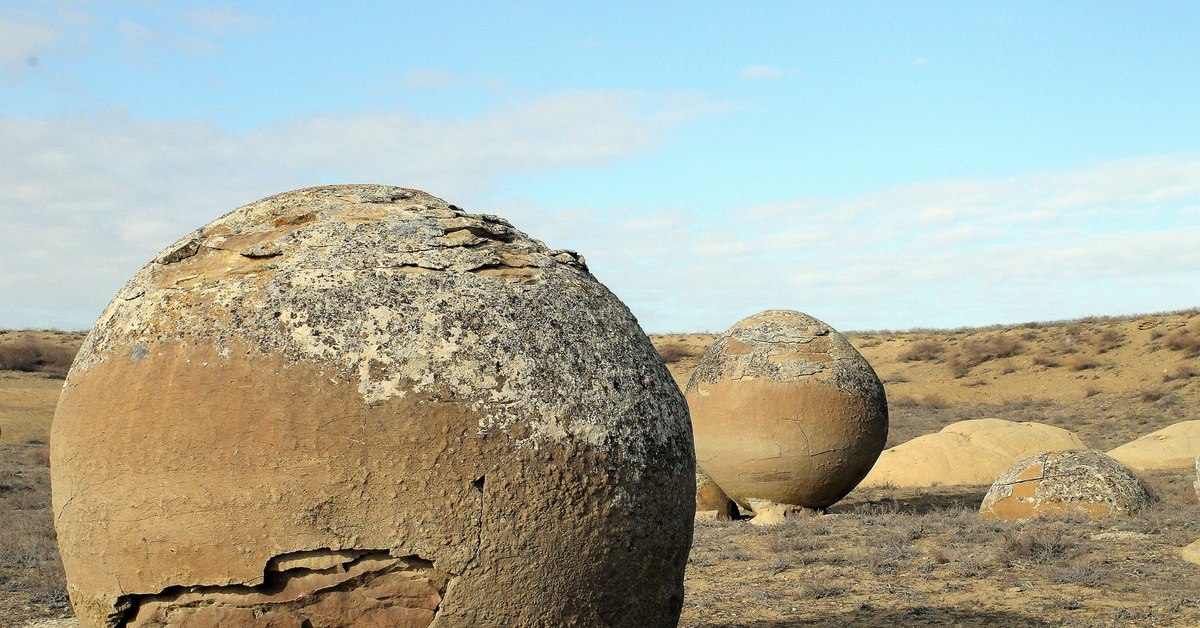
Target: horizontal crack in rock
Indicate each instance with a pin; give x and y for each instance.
(319, 587)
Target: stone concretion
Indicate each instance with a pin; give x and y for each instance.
(710, 498)
(1064, 482)
(1173, 447)
(359, 405)
(969, 452)
(786, 411)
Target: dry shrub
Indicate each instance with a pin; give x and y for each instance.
(1083, 363)
(1183, 371)
(976, 352)
(933, 401)
(1183, 340)
(959, 368)
(34, 355)
(923, 351)
(1150, 396)
(1035, 545)
(673, 352)
(1107, 340)
(1042, 359)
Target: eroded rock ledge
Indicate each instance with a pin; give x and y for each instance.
(316, 588)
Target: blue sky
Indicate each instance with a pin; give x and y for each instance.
(877, 165)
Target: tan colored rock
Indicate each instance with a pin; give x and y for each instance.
(769, 513)
(1173, 447)
(710, 498)
(361, 406)
(786, 410)
(1196, 482)
(1191, 552)
(1063, 482)
(969, 452)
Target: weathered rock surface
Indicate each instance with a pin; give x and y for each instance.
(358, 405)
(710, 498)
(1056, 483)
(1196, 482)
(967, 452)
(1173, 447)
(769, 513)
(785, 410)
(1191, 552)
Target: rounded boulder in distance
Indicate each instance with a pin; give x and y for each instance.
(359, 405)
(785, 410)
(1064, 482)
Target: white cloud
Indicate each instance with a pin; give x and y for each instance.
(1113, 238)
(760, 72)
(224, 20)
(24, 38)
(86, 200)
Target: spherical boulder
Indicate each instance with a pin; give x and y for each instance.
(1173, 447)
(359, 405)
(968, 452)
(711, 499)
(1063, 482)
(786, 411)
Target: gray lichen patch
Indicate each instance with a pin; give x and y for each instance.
(357, 367)
(1053, 482)
(786, 410)
(785, 345)
(402, 293)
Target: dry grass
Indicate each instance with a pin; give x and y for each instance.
(1180, 372)
(1083, 363)
(1045, 360)
(923, 350)
(50, 353)
(1149, 396)
(909, 401)
(1184, 340)
(972, 353)
(931, 561)
(673, 352)
(883, 556)
(31, 575)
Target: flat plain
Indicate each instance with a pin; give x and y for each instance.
(882, 556)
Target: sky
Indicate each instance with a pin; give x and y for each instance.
(878, 165)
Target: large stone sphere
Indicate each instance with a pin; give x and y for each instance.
(358, 405)
(785, 410)
(1064, 482)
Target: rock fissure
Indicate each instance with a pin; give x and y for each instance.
(315, 586)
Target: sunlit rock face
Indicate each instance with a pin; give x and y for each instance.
(359, 405)
(1065, 482)
(786, 412)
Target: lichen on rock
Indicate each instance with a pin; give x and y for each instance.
(1063, 482)
(786, 411)
(367, 368)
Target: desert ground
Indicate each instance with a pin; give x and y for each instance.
(882, 556)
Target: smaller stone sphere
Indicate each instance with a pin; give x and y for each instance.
(785, 410)
(1064, 482)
